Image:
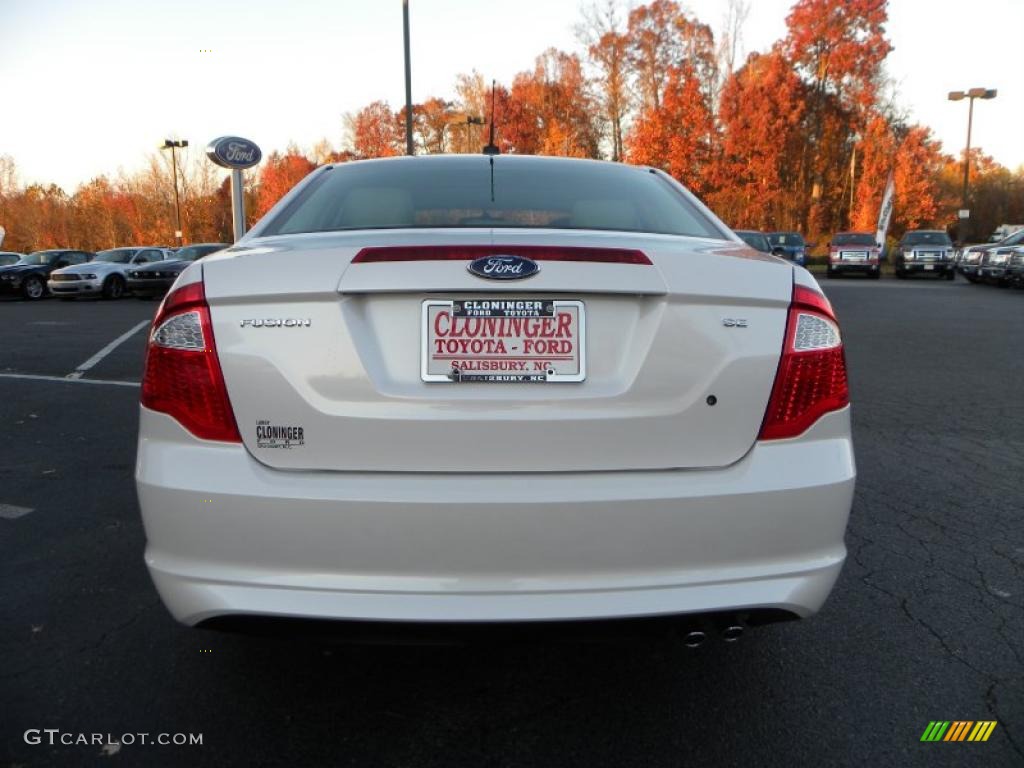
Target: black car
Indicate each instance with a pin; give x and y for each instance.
(28, 276)
(971, 257)
(154, 279)
(925, 251)
(1015, 269)
(994, 266)
(756, 240)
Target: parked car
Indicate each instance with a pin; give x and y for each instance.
(348, 415)
(924, 250)
(10, 257)
(1015, 269)
(104, 276)
(970, 257)
(756, 240)
(28, 275)
(154, 279)
(790, 245)
(854, 252)
(994, 266)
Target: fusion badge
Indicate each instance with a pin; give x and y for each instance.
(278, 322)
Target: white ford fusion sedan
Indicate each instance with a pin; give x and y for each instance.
(493, 389)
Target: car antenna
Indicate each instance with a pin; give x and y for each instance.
(492, 148)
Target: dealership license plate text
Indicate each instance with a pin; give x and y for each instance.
(503, 340)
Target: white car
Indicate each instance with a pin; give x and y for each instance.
(472, 389)
(105, 276)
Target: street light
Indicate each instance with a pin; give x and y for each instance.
(971, 95)
(172, 145)
(408, 79)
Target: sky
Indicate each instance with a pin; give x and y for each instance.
(90, 87)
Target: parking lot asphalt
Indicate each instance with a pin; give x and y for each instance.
(926, 622)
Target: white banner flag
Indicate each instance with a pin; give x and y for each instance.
(885, 214)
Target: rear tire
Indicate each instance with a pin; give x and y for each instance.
(113, 288)
(901, 274)
(829, 274)
(875, 275)
(33, 288)
(951, 275)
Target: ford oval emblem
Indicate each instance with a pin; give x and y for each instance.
(502, 267)
(234, 152)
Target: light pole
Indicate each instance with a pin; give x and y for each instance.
(408, 80)
(971, 95)
(172, 145)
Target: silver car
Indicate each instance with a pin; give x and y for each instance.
(105, 276)
(462, 388)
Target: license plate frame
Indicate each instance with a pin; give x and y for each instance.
(929, 267)
(550, 308)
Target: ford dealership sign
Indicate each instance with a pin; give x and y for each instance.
(234, 152)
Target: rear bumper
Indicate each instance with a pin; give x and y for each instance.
(229, 536)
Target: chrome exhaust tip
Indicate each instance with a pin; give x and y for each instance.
(732, 633)
(694, 639)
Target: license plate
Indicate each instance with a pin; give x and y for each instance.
(929, 267)
(503, 340)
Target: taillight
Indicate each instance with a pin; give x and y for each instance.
(183, 377)
(811, 380)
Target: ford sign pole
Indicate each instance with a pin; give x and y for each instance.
(237, 204)
(236, 154)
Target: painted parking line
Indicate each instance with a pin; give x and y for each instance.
(80, 370)
(13, 511)
(68, 379)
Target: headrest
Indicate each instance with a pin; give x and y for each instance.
(377, 207)
(604, 214)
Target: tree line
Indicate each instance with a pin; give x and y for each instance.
(801, 136)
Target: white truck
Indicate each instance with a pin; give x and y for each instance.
(1003, 231)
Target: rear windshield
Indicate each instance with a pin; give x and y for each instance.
(926, 238)
(468, 193)
(786, 238)
(853, 238)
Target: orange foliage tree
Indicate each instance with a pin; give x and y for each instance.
(761, 113)
(278, 174)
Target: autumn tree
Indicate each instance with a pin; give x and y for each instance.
(761, 114)
(661, 37)
(374, 131)
(277, 175)
(608, 52)
(837, 47)
(677, 135)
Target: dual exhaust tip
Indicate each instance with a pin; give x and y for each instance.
(729, 633)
